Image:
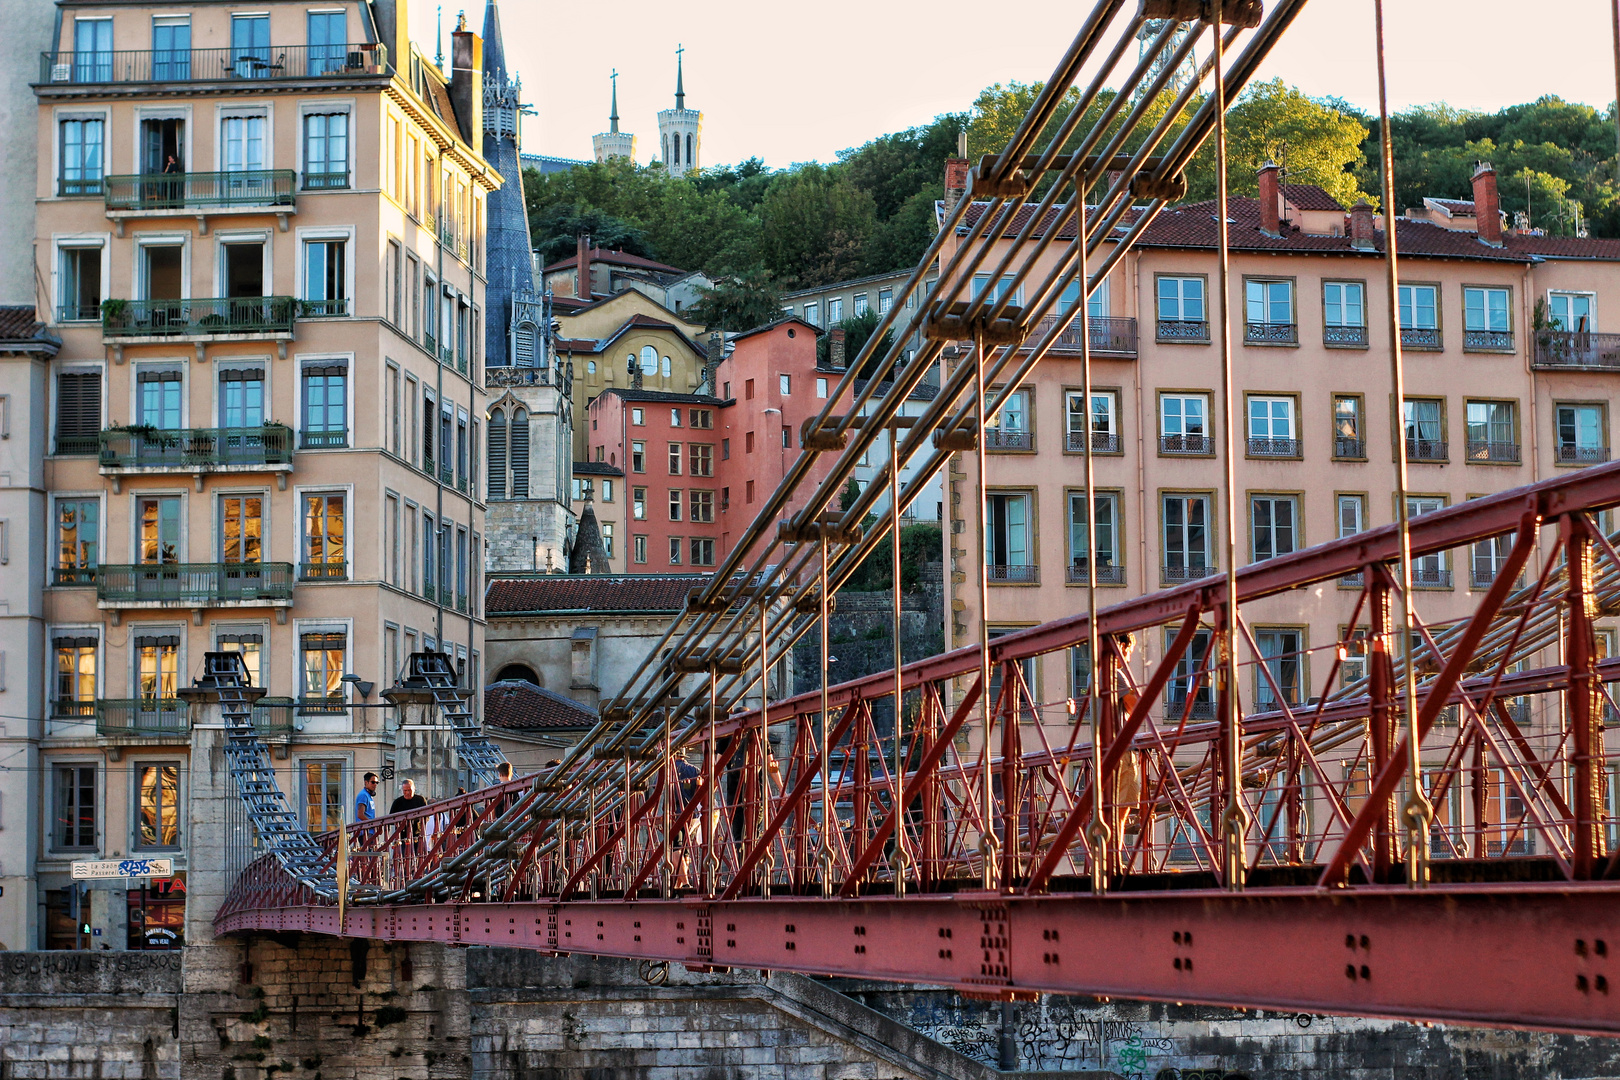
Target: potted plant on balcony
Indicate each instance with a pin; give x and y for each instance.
(1553, 344)
(113, 313)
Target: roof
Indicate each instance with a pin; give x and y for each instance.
(547, 164)
(774, 323)
(666, 396)
(638, 321)
(1563, 247)
(516, 705)
(542, 593)
(1455, 207)
(20, 327)
(1310, 197)
(614, 258)
(897, 276)
(589, 554)
(596, 468)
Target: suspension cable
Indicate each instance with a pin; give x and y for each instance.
(1097, 832)
(987, 835)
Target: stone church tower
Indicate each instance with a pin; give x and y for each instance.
(530, 427)
(680, 130)
(614, 143)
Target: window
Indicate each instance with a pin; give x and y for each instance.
(78, 412)
(1007, 550)
(325, 534)
(1009, 426)
(1425, 429)
(703, 419)
(75, 690)
(1487, 557)
(1486, 322)
(1349, 438)
(702, 506)
(241, 529)
(242, 140)
(674, 418)
(92, 50)
(701, 459)
(638, 417)
(1003, 287)
(812, 314)
(748, 442)
(1181, 309)
(674, 506)
(638, 504)
(241, 402)
(785, 384)
(1106, 535)
(1189, 687)
(81, 156)
(667, 369)
(1570, 312)
(607, 538)
(325, 283)
(75, 825)
(1350, 518)
(638, 548)
(1281, 658)
(885, 301)
(638, 457)
(787, 436)
(158, 398)
(323, 796)
(1420, 309)
(1492, 431)
(1581, 437)
(159, 793)
(1353, 647)
(159, 519)
(250, 46)
(674, 459)
(1269, 310)
(748, 390)
(326, 387)
(1187, 554)
(748, 491)
(1431, 570)
(1271, 427)
(80, 284)
(607, 489)
(326, 149)
(1344, 313)
(1273, 523)
(821, 388)
(835, 312)
(1184, 424)
(725, 449)
(249, 645)
(157, 666)
(674, 551)
(77, 541)
(322, 667)
(860, 304)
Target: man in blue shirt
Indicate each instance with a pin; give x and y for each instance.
(365, 803)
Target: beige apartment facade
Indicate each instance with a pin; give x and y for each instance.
(260, 241)
(1507, 382)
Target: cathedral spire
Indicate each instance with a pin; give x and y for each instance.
(680, 87)
(613, 117)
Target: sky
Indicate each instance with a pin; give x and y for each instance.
(801, 84)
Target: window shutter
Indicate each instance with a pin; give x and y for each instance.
(520, 455)
(171, 641)
(78, 403)
(427, 433)
(497, 455)
(523, 345)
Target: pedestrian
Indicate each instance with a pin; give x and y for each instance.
(365, 802)
(405, 801)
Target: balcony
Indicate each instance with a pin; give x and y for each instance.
(1110, 337)
(1430, 575)
(239, 318)
(1258, 333)
(323, 309)
(1000, 574)
(69, 709)
(1176, 575)
(275, 716)
(136, 450)
(1186, 444)
(1482, 573)
(1566, 350)
(1344, 446)
(1581, 455)
(323, 440)
(1078, 573)
(1345, 337)
(1503, 453)
(1421, 337)
(336, 570)
(73, 575)
(1487, 341)
(273, 62)
(326, 181)
(1000, 438)
(1102, 442)
(1192, 330)
(142, 717)
(194, 585)
(1274, 448)
(1202, 707)
(1433, 450)
(244, 191)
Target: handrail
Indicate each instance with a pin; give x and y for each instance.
(244, 188)
(248, 63)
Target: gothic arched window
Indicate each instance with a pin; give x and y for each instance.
(667, 368)
(520, 453)
(497, 454)
(523, 339)
(690, 160)
(649, 360)
(676, 160)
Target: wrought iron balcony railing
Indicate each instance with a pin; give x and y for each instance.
(323, 440)
(203, 317)
(1482, 574)
(1183, 330)
(335, 570)
(1344, 335)
(1102, 442)
(1110, 336)
(195, 449)
(194, 584)
(1426, 575)
(76, 186)
(1260, 333)
(1025, 574)
(1281, 448)
(1421, 337)
(1582, 455)
(1000, 438)
(1346, 446)
(1487, 450)
(1565, 349)
(73, 575)
(1487, 341)
(142, 716)
(326, 181)
(1186, 444)
(209, 65)
(181, 192)
(1078, 573)
(1201, 707)
(1427, 450)
(73, 709)
(1176, 574)
(323, 309)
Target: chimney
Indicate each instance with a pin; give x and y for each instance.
(582, 267)
(956, 182)
(1487, 205)
(467, 82)
(835, 347)
(1361, 224)
(1271, 199)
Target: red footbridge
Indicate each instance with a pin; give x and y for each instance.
(1405, 842)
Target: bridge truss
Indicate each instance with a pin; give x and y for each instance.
(1353, 847)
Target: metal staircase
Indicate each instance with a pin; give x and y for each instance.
(434, 672)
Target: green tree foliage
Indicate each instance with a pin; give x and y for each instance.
(555, 228)
(814, 224)
(919, 544)
(857, 332)
(738, 302)
(1314, 142)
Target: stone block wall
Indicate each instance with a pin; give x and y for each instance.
(107, 1015)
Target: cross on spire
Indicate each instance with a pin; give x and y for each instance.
(680, 88)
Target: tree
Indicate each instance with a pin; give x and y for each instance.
(814, 224)
(555, 229)
(738, 302)
(857, 332)
(1314, 142)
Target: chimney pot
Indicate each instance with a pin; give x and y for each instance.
(1487, 205)
(956, 182)
(582, 267)
(1362, 226)
(1271, 199)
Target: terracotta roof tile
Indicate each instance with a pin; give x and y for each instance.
(1310, 197)
(515, 705)
(18, 323)
(593, 592)
(1564, 247)
(614, 258)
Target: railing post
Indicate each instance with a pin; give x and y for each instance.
(1011, 803)
(1585, 717)
(1381, 697)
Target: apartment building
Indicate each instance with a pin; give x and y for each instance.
(826, 306)
(1507, 382)
(262, 239)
